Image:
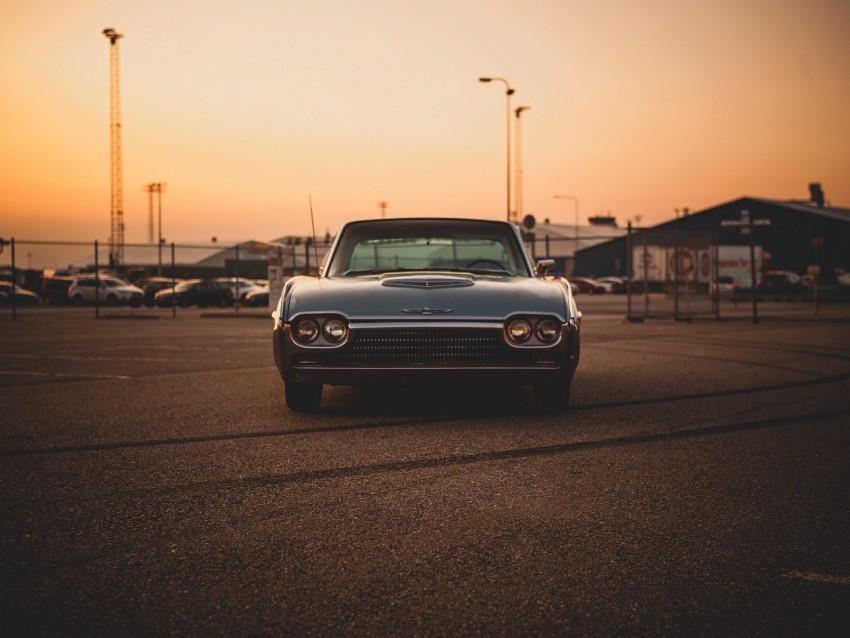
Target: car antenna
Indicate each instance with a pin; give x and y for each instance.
(315, 246)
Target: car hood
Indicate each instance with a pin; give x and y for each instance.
(427, 295)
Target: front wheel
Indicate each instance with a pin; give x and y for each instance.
(303, 397)
(552, 396)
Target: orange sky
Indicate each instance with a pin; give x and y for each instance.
(247, 109)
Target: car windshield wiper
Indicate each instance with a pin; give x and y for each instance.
(480, 271)
(376, 271)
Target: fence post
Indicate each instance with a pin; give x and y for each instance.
(237, 300)
(645, 277)
(96, 282)
(714, 273)
(173, 282)
(628, 272)
(14, 283)
(676, 276)
(752, 266)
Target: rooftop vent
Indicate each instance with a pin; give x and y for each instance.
(603, 221)
(816, 194)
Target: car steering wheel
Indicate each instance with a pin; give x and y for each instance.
(485, 261)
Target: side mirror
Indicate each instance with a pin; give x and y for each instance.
(544, 267)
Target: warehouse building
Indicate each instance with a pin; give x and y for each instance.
(801, 236)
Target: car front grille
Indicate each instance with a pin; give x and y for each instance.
(398, 347)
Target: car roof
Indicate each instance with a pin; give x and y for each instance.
(434, 220)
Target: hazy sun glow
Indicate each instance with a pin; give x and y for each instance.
(247, 109)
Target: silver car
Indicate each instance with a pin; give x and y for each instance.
(427, 300)
(109, 290)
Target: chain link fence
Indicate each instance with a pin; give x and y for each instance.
(152, 278)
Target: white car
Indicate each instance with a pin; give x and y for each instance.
(239, 287)
(111, 291)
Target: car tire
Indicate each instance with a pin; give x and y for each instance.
(303, 397)
(112, 300)
(552, 396)
(77, 300)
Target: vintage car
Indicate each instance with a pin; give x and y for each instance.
(427, 300)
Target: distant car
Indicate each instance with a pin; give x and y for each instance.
(54, 289)
(152, 285)
(781, 283)
(588, 285)
(10, 292)
(427, 300)
(258, 297)
(196, 292)
(615, 285)
(111, 291)
(729, 286)
(239, 286)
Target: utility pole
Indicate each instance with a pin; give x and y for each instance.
(158, 188)
(150, 189)
(116, 209)
(518, 212)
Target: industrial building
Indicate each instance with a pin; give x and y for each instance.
(808, 236)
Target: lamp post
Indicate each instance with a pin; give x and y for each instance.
(518, 153)
(158, 188)
(575, 200)
(508, 93)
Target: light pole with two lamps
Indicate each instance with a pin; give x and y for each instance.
(508, 93)
(518, 152)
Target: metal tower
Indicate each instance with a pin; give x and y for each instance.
(116, 212)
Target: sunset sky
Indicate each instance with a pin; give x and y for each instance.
(247, 109)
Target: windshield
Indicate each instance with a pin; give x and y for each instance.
(376, 247)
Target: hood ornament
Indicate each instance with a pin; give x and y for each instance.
(428, 282)
(427, 311)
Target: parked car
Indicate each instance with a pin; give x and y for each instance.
(111, 291)
(152, 285)
(10, 292)
(729, 286)
(257, 297)
(55, 289)
(588, 285)
(196, 292)
(239, 286)
(427, 300)
(781, 283)
(615, 285)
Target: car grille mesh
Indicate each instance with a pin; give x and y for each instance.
(427, 347)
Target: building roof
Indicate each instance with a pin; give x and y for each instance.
(800, 207)
(202, 255)
(566, 239)
(830, 212)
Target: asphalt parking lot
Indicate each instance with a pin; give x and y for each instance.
(154, 483)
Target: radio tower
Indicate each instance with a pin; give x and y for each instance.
(116, 212)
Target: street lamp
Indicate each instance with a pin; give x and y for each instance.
(508, 93)
(518, 153)
(159, 188)
(575, 200)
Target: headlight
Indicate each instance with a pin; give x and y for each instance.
(335, 330)
(533, 331)
(305, 331)
(519, 330)
(547, 330)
